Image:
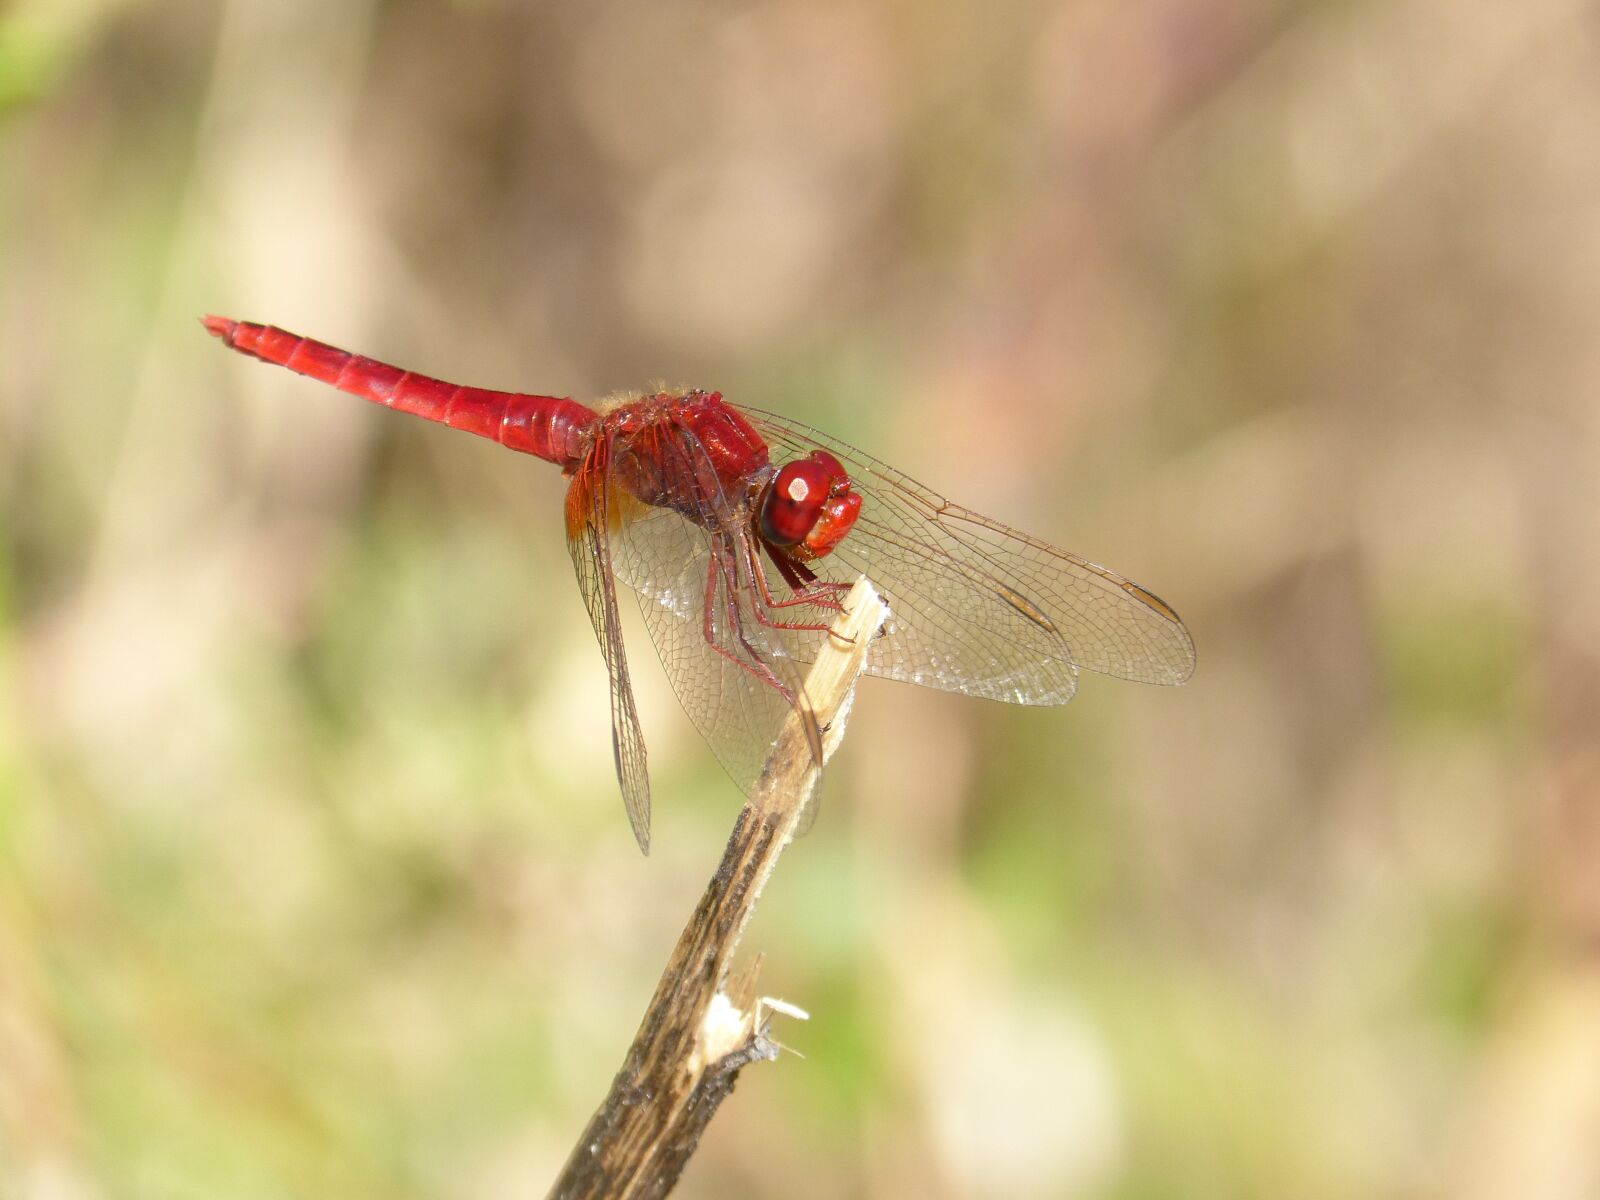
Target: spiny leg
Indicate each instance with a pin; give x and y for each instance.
(804, 581)
(725, 574)
(757, 665)
(814, 592)
(808, 717)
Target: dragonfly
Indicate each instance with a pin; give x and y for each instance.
(740, 532)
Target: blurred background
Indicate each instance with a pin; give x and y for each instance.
(314, 878)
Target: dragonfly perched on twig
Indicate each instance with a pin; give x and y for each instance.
(741, 531)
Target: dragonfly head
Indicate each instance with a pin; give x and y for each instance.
(809, 506)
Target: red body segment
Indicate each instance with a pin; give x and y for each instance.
(548, 427)
(691, 453)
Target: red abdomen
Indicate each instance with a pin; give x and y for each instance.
(550, 427)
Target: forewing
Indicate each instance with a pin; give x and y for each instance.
(981, 608)
(737, 678)
(590, 509)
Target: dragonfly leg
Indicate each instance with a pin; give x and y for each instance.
(803, 580)
(812, 592)
(716, 581)
(758, 665)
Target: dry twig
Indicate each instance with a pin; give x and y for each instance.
(700, 1030)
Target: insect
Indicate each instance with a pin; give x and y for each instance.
(741, 531)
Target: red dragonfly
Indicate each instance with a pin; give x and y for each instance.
(740, 531)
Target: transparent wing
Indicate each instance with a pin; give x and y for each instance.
(591, 509)
(978, 607)
(737, 676)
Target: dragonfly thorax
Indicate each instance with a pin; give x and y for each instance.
(688, 452)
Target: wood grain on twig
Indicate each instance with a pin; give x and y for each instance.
(701, 1030)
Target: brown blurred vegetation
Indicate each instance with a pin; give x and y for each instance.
(313, 875)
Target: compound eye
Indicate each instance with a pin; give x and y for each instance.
(794, 501)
